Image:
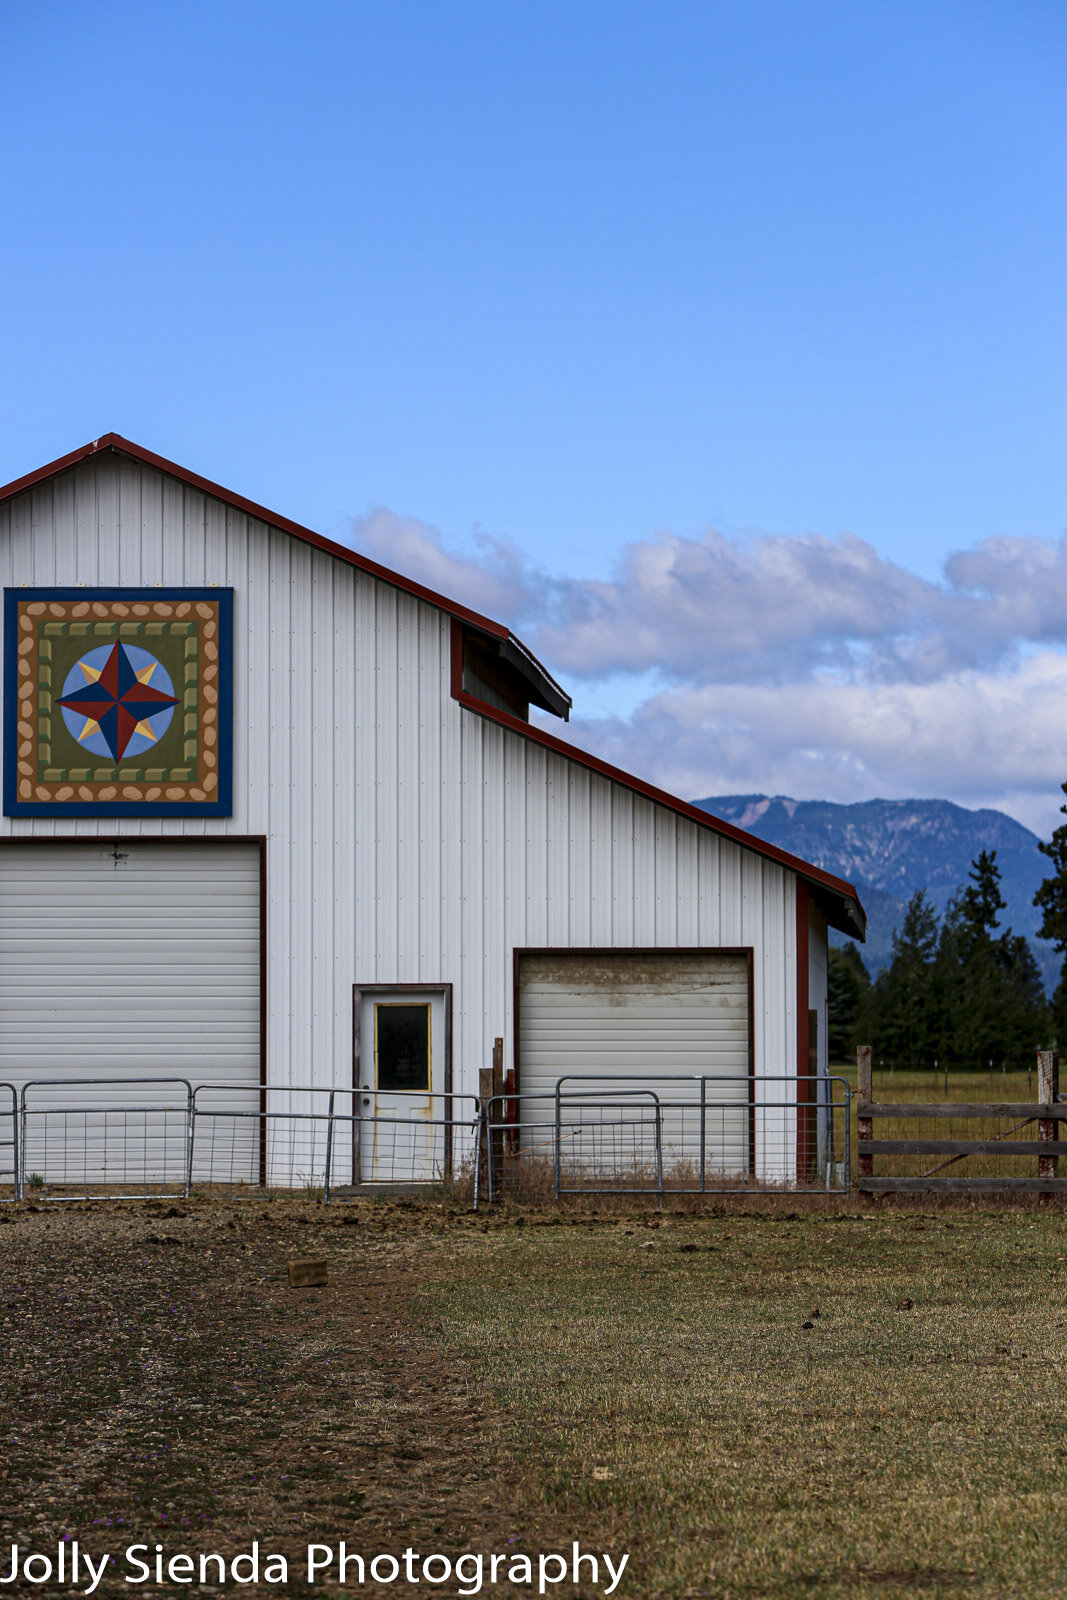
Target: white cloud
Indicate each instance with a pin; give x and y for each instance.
(973, 737)
(492, 582)
(813, 667)
(709, 609)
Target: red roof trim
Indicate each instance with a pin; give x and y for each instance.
(115, 441)
(804, 869)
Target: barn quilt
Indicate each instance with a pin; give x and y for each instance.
(118, 702)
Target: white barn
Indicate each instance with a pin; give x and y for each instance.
(275, 815)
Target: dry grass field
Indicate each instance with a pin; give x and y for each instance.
(979, 1086)
(758, 1399)
(955, 1087)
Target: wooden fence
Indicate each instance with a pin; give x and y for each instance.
(1046, 1113)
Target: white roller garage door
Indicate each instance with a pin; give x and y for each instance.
(131, 960)
(137, 960)
(638, 1021)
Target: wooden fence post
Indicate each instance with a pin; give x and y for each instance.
(811, 1115)
(1048, 1087)
(485, 1094)
(501, 1108)
(865, 1087)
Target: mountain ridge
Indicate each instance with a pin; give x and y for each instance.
(891, 848)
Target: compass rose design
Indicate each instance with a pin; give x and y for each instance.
(118, 701)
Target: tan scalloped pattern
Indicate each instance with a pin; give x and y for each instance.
(197, 620)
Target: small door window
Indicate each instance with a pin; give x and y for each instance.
(402, 1048)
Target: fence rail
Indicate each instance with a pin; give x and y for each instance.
(1043, 1120)
(90, 1139)
(81, 1139)
(707, 1134)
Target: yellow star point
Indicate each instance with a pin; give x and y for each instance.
(145, 674)
(91, 727)
(147, 730)
(91, 673)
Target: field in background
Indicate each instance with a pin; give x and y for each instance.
(898, 1084)
(955, 1087)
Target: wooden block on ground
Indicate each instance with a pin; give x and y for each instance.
(307, 1273)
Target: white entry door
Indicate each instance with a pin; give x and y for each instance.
(401, 1079)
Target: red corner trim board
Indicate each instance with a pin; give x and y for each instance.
(804, 1084)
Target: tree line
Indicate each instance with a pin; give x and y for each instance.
(958, 992)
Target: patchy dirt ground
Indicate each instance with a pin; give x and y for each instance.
(162, 1383)
(759, 1400)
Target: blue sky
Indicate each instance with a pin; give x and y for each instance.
(576, 302)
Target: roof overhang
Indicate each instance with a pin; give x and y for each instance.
(842, 911)
(541, 688)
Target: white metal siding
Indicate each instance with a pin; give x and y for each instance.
(135, 961)
(408, 840)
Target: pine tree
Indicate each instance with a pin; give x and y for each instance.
(959, 992)
(848, 982)
(993, 1000)
(905, 1003)
(1051, 901)
(981, 901)
(1026, 1010)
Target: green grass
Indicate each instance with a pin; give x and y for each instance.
(671, 1403)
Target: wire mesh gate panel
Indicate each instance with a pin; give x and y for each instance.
(611, 1143)
(129, 1138)
(687, 1136)
(420, 1140)
(247, 1138)
(9, 1142)
(95, 1139)
(586, 1141)
(312, 1139)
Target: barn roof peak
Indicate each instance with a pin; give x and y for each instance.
(838, 899)
(545, 691)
